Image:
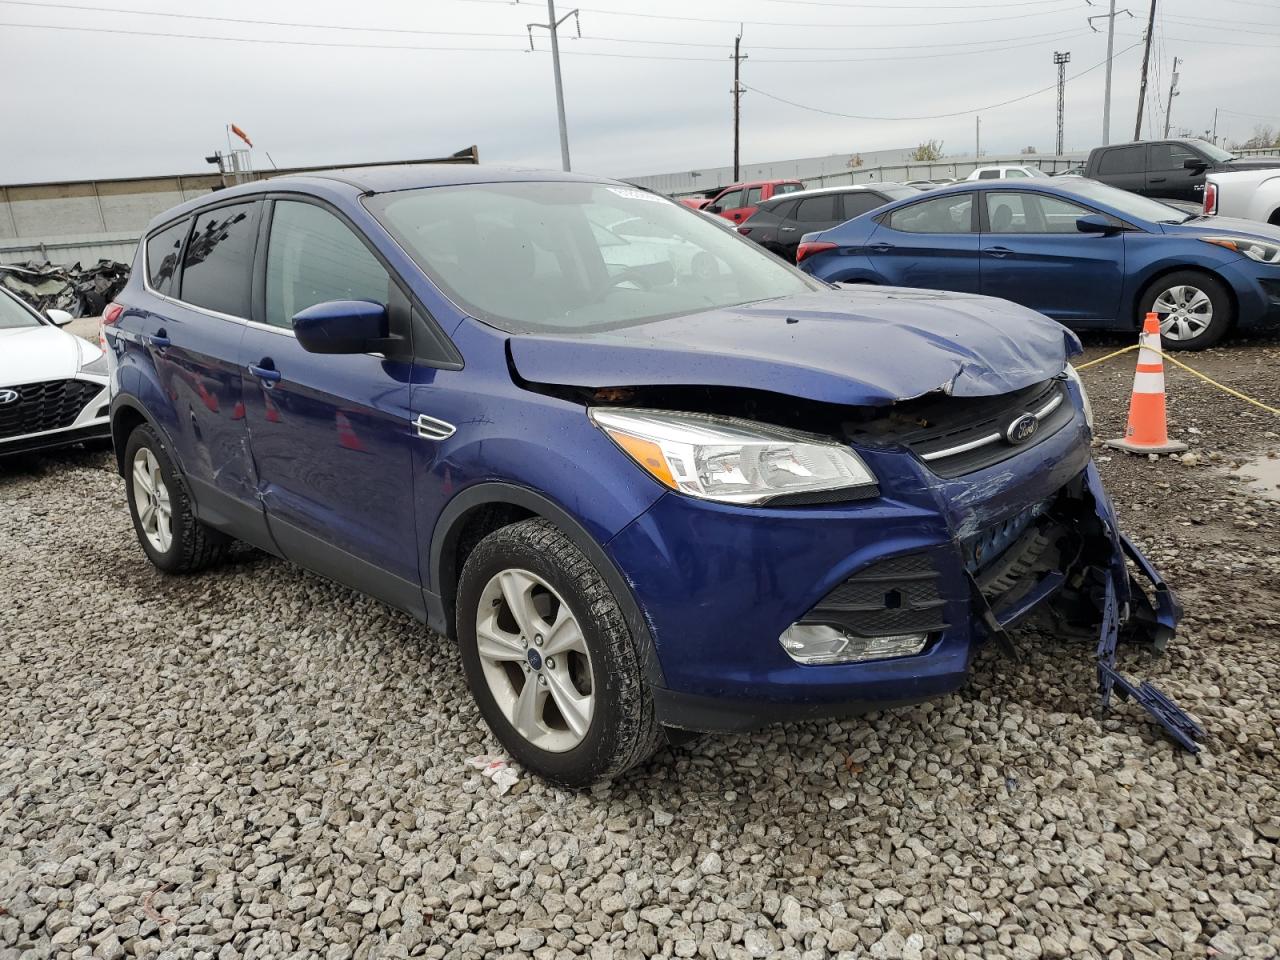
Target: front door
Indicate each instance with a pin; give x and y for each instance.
(331, 434)
(1168, 176)
(930, 243)
(1033, 254)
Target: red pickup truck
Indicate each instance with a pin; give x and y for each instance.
(739, 201)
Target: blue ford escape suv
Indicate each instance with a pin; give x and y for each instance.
(649, 477)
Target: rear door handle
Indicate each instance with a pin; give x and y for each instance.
(882, 247)
(264, 373)
(999, 251)
(1158, 179)
(158, 339)
(787, 229)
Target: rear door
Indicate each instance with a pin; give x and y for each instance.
(1033, 254)
(819, 212)
(766, 224)
(331, 434)
(931, 243)
(199, 273)
(1167, 175)
(1124, 167)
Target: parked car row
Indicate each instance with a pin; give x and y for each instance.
(1084, 253)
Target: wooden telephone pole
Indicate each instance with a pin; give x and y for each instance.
(1146, 60)
(738, 57)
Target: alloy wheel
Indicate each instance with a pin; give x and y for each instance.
(535, 660)
(1185, 312)
(151, 499)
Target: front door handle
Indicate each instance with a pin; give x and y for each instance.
(1158, 179)
(999, 251)
(882, 247)
(267, 374)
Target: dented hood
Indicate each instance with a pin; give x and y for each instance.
(856, 346)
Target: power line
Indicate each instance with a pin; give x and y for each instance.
(922, 6)
(935, 116)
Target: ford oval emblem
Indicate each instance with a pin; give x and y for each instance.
(8, 396)
(1021, 429)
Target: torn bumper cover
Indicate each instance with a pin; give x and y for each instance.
(954, 562)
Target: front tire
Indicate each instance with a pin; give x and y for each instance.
(167, 528)
(549, 657)
(1195, 309)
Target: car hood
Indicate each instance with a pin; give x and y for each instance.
(35, 354)
(1219, 226)
(859, 346)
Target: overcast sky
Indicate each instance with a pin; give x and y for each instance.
(84, 102)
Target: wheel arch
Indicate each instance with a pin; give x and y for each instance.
(126, 416)
(479, 510)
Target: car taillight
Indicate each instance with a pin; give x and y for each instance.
(1210, 198)
(110, 317)
(744, 230)
(808, 249)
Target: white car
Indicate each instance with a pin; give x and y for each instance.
(1006, 171)
(53, 385)
(1248, 194)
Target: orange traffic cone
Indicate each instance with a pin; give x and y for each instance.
(1148, 431)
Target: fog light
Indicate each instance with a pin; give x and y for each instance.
(817, 643)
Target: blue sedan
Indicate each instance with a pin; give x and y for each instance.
(1081, 252)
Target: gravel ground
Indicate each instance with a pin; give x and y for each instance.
(257, 763)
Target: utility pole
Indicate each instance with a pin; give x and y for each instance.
(1061, 59)
(553, 26)
(1173, 92)
(1215, 126)
(738, 57)
(1146, 60)
(977, 137)
(1111, 45)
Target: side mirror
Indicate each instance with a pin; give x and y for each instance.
(60, 318)
(1195, 163)
(713, 208)
(1097, 223)
(342, 326)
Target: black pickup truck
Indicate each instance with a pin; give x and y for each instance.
(1170, 169)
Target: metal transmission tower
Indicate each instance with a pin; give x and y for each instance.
(1111, 44)
(553, 26)
(1061, 59)
(1173, 92)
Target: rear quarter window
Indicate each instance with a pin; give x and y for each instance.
(164, 248)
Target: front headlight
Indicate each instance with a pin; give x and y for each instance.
(736, 461)
(98, 366)
(1261, 250)
(1074, 376)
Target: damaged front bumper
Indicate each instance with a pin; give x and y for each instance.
(961, 560)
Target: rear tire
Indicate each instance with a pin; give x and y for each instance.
(167, 528)
(1195, 309)
(549, 658)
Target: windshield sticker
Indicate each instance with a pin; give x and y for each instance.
(637, 194)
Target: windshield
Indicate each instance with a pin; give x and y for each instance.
(560, 256)
(1127, 204)
(13, 314)
(1036, 172)
(1216, 154)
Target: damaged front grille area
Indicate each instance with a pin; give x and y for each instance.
(955, 436)
(898, 595)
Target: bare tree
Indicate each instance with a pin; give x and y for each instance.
(855, 161)
(1264, 135)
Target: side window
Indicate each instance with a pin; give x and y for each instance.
(753, 196)
(217, 267)
(1060, 216)
(949, 214)
(312, 256)
(730, 201)
(786, 188)
(856, 204)
(819, 209)
(1008, 212)
(163, 250)
(989, 175)
(1122, 160)
(1014, 173)
(784, 210)
(1170, 156)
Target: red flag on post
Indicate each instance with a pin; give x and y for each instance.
(241, 134)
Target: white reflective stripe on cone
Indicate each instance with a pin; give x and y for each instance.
(1148, 382)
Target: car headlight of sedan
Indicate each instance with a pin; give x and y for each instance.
(736, 461)
(96, 366)
(1074, 376)
(1261, 250)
